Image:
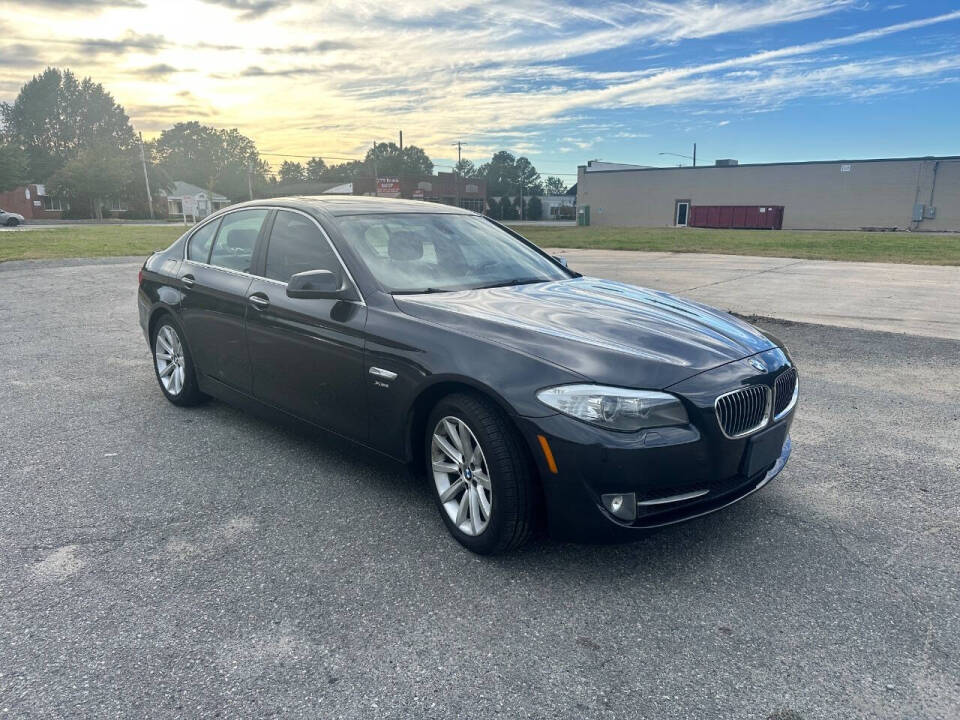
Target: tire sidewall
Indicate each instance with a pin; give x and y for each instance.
(488, 540)
(189, 393)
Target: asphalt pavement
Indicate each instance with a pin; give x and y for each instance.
(167, 562)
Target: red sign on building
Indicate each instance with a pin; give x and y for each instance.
(388, 187)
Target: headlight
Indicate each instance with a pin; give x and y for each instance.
(615, 408)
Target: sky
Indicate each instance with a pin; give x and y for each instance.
(561, 81)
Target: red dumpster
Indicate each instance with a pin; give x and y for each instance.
(747, 217)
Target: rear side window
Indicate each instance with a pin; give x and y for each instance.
(199, 248)
(233, 248)
(297, 245)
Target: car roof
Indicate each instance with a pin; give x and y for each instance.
(360, 205)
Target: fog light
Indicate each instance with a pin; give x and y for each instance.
(621, 505)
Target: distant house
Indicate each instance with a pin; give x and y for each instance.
(559, 207)
(193, 201)
(33, 203)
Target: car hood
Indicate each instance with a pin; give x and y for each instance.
(606, 331)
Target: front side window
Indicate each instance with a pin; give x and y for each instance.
(233, 248)
(410, 253)
(297, 245)
(199, 248)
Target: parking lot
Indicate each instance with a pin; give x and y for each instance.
(202, 562)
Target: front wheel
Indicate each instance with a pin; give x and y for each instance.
(173, 364)
(481, 477)
(12, 222)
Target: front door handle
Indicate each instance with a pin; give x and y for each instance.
(259, 301)
(188, 281)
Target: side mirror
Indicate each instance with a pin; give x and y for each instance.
(560, 259)
(316, 284)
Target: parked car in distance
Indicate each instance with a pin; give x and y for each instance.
(10, 219)
(524, 391)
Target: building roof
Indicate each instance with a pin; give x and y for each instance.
(941, 158)
(185, 189)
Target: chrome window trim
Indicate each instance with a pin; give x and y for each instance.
(219, 216)
(768, 408)
(793, 400)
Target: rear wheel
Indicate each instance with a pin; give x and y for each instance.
(173, 364)
(480, 475)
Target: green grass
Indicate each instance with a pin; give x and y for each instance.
(899, 247)
(921, 248)
(86, 241)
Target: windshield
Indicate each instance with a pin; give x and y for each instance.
(418, 253)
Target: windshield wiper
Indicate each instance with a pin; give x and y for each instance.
(421, 291)
(508, 283)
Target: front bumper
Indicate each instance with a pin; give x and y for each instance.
(673, 474)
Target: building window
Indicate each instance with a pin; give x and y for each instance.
(474, 204)
(55, 204)
(116, 205)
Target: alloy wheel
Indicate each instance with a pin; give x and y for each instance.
(461, 475)
(170, 361)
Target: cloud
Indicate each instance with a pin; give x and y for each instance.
(160, 70)
(251, 8)
(319, 47)
(129, 42)
(85, 4)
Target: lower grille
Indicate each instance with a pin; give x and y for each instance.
(784, 393)
(743, 411)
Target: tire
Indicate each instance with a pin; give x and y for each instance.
(508, 494)
(12, 222)
(179, 384)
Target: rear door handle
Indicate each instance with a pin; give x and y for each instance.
(188, 281)
(259, 301)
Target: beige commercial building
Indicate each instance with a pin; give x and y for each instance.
(898, 193)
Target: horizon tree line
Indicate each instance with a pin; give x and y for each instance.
(72, 135)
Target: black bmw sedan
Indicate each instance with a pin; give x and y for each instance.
(525, 392)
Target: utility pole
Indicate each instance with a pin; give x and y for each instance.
(146, 179)
(694, 154)
(456, 175)
(401, 142)
(521, 199)
(249, 177)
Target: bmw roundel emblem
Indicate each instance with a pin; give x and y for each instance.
(757, 364)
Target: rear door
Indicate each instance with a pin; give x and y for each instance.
(215, 279)
(306, 355)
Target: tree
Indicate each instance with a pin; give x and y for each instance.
(528, 178)
(494, 208)
(508, 211)
(555, 186)
(13, 167)
(389, 160)
(55, 116)
(214, 159)
(316, 168)
(465, 169)
(94, 176)
(534, 208)
(346, 172)
(501, 173)
(292, 172)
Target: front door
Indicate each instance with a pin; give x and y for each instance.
(681, 213)
(215, 280)
(306, 355)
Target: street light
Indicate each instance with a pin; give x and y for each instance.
(688, 157)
